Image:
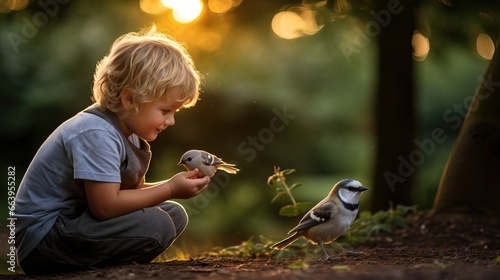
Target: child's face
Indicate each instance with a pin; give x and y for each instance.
(153, 117)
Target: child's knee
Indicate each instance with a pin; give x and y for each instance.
(178, 215)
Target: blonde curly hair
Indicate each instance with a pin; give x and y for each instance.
(148, 62)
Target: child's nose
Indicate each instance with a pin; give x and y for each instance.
(170, 120)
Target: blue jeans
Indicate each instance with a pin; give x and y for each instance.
(85, 242)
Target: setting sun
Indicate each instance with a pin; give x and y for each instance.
(184, 11)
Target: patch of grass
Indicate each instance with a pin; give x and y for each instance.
(362, 230)
(368, 224)
(174, 253)
(247, 249)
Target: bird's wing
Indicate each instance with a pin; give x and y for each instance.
(217, 161)
(229, 168)
(321, 213)
(208, 159)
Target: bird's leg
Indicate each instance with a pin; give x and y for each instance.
(347, 252)
(326, 253)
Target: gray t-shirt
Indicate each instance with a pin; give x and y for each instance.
(89, 146)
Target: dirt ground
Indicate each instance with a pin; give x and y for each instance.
(446, 247)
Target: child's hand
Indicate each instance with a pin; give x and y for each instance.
(187, 184)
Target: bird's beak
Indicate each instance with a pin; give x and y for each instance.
(362, 189)
(180, 162)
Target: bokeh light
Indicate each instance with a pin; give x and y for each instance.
(169, 3)
(485, 46)
(296, 22)
(152, 6)
(220, 6)
(421, 46)
(287, 25)
(341, 8)
(12, 5)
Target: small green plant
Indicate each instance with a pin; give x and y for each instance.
(368, 224)
(278, 181)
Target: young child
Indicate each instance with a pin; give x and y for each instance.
(83, 201)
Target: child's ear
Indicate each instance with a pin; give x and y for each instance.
(127, 98)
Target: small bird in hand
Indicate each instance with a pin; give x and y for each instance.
(206, 163)
(330, 218)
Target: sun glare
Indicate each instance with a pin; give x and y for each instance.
(184, 11)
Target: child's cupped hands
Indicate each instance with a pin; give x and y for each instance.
(187, 184)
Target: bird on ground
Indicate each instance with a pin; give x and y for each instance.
(206, 163)
(330, 218)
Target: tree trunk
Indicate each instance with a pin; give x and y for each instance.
(395, 114)
(471, 179)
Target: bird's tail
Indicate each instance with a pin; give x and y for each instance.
(229, 168)
(285, 242)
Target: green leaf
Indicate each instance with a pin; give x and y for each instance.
(303, 207)
(288, 211)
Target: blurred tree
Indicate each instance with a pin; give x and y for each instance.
(470, 181)
(395, 117)
(392, 24)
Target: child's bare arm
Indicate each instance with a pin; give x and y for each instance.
(106, 200)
